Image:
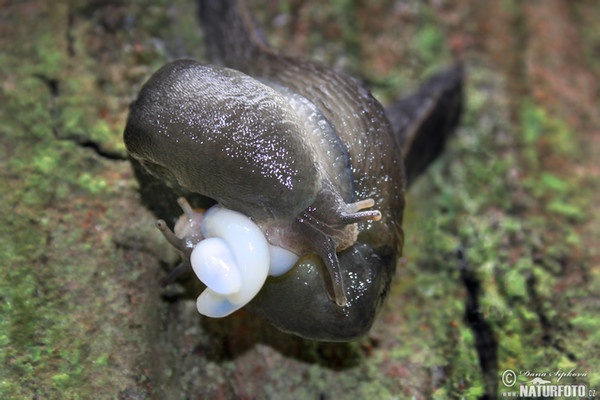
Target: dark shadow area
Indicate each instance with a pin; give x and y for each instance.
(486, 342)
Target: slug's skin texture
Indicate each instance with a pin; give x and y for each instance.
(176, 130)
(295, 146)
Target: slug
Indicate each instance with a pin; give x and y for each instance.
(304, 168)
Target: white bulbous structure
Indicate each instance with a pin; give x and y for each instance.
(233, 261)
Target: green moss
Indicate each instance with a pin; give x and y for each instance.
(92, 183)
(64, 312)
(546, 136)
(470, 202)
(565, 209)
(430, 45)
(58, 321)
(538, 125)
(554, 183)
(37, 331)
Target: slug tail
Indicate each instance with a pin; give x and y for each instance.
(230, 32)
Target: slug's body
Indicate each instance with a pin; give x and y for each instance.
(303, 151)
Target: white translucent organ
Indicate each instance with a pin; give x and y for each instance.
(233, 261)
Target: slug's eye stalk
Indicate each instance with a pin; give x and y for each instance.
(189, 224)
(353, 213)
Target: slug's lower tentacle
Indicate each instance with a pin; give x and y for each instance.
(327, 252)
(187, 231)
(332, 229)
(174, 274)
(187, 234)
(173, 240)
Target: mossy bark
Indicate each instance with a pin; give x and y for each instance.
(501, 267)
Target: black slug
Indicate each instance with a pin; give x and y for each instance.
(300, 155)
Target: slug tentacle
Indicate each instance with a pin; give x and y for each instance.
(188, 211)
(333, 228)
(179, 243)
(175, 241)
(353, 214)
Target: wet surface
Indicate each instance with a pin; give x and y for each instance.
(515, 190)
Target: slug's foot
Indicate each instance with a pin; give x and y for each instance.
(332, 229)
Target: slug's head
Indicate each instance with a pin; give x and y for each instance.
(286, 226)
(232, 257)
